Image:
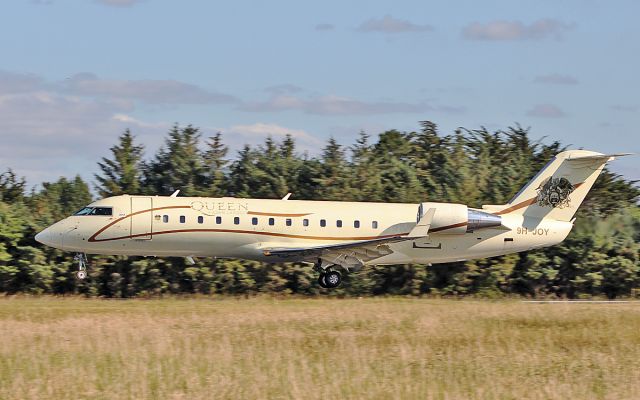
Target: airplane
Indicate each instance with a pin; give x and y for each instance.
(333, 236)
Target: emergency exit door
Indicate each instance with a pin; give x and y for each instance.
(141, 218)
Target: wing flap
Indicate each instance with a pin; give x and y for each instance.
(362, 245)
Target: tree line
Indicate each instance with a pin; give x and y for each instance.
(601, 257)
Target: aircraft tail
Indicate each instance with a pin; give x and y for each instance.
(559, 188)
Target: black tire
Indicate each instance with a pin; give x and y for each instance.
(332, 279)
(321, 281)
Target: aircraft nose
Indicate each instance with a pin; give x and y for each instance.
(46, 237)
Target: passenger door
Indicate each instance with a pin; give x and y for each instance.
(141, 218)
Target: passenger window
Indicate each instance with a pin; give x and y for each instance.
(356, 224)
(339, 223)
(323, 223)
(218, 220)
(254, 221)
(236, 220)
(374, 224)
(272, 221)
(200, 219)
(165, 218)
(305, 222)
(288, 221)
(183, 219)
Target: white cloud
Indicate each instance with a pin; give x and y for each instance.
(148, 91)
(257, 132)
(546, 111)
(50, 129)
(325, 27)
(389, 24)
(283, 89)
(12, 82)
(46, 134)
(624, 108)
(263, 130)
(556, 79)
(516, 30)
(339, 105)
(119, 3)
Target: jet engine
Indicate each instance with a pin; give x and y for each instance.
(457, 219)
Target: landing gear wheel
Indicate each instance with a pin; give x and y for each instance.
(332, 279)
(81, 258)
(321, 281)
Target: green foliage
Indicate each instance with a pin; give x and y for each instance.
(178, 165)
(122, 174)
(214, 162)
(11, 187)
(59, 199)
(601, 257)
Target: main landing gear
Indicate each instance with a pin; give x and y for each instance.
(81, 258)
(329, 278)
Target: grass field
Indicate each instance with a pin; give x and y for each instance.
(317, 349)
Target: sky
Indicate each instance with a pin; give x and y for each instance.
(74, 74)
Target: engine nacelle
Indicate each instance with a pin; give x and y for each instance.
(457, 219)
(448, 219)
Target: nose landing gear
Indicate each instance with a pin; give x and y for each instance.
(81, 258)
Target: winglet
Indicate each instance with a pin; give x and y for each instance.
(175, 194)
(286, 197)
(422, 227)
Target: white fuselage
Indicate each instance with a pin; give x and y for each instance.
(243, 228)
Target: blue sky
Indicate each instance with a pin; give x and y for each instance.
(74, 74)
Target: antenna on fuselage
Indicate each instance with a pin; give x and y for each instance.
(175, 194)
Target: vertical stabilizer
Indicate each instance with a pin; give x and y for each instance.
(559, 188)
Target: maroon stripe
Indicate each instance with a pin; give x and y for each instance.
(443, 228)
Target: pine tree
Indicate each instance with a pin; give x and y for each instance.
(398, 179)
(333, 175)
(214, 163)
(11, 187)
(178, 165)
(431, 159)
(58, 200)
(122, 174)
(366, 173)
(242, 173)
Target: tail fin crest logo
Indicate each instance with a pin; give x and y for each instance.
(554, 192)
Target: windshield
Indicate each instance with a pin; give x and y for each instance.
(95, 211)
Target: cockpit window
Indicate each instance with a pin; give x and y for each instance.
(84, 211)
(96, 211)
(102, 211)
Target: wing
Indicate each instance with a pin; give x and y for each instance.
(353, 255)
(349, 255)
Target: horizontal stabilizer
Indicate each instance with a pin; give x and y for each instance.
(598, 156)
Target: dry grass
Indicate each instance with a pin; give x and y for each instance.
(317, 348)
